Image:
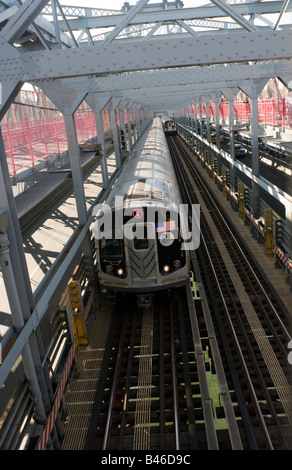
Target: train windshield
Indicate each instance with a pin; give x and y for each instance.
(111, 249)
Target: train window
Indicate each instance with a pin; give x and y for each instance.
(111, 248)
(141, 243)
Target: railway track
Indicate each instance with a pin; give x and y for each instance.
(155, 389)
(254, 330)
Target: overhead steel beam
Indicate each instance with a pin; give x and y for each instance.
(184, 14)
(156, 88)
(114, 58)
(188, 75)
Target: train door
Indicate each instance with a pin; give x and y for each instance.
(143, 255)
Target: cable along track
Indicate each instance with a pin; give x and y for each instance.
(241, 291)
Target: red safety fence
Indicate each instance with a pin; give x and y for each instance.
(33, 129)
(276, 112)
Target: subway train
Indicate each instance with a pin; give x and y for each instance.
(170, 127)
(142, 230)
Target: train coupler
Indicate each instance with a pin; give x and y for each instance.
(144, 300)
(112, 297)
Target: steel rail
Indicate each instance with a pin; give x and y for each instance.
(273, 365)
(161, 382)
(174, 382)
(113, 387)
(194, 441)
(245, 334)
(127, 384)
(235, 339)
(229, 412)
(227, 228)
(275, 370)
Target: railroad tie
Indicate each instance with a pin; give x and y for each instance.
(143, 403)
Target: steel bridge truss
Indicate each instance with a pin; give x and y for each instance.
(147, 58)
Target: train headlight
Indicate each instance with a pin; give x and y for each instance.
(109, 268)
(177, 263)
(120, 272)
(166, 268)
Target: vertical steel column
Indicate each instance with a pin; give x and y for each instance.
(133, 124)
(196, 117)
(218, 143)
(138, 121)
(56, 24)
(187, 123)
(255, 162)
(75, 164)
(143, 119)
(129, 126)
(20, 272)
(230, 94)
(201, 117)
(216, 98)
(192, 125)
(217, 123)
(135, 130)
(114, 127)
(253, 90)
(97, 101)
(101, 141)
(123, 129)
(231, 140)
(78, 185)
(207, 102)
(17, 317)
(7, 202)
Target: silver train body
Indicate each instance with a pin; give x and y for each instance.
(139, 245)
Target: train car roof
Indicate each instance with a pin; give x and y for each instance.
(149, 173)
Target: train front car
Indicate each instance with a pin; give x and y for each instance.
(139, 230)
(170, 127)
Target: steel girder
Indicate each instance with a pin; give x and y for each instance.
(199, 51)
(115, 57)
(89, 19)
(55, 67)
(159, 90)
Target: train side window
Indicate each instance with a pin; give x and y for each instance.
(111, 248)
